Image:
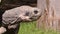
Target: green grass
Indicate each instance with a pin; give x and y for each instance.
(30, 28)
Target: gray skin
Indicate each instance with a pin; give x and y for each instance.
(11, 18)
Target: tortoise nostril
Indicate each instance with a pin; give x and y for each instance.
(35, 11)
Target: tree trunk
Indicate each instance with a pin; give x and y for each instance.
(50, 14)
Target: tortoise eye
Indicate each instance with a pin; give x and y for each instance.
(27, 14)
(35, 11)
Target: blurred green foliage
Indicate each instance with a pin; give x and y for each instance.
(30, 28)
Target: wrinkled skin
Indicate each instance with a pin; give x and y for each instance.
(11, 18)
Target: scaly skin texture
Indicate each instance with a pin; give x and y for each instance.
(11, 18)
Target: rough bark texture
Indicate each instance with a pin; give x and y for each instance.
(50, 14)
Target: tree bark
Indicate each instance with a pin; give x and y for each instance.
(50, 18)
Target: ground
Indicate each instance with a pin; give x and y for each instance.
(30, 28)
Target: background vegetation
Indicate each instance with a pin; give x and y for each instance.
(30, 28)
